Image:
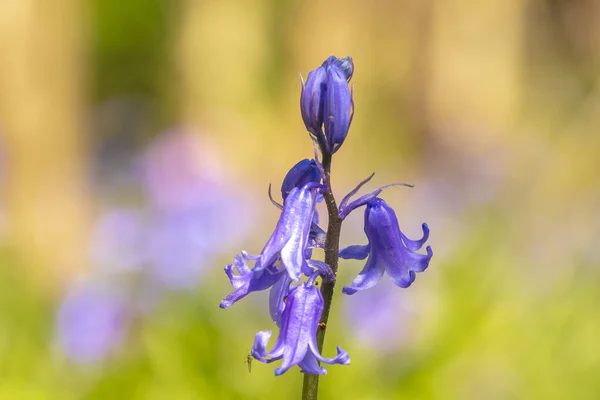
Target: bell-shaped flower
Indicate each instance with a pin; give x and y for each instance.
(304, 172)
(291, 236)
(297, 343)
(389, 250)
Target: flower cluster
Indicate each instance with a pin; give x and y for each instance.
(296, 306)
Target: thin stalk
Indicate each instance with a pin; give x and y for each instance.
(310, 387)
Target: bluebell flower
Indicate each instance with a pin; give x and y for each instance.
(304, 172)
(291, 236)
(326, 102)
(389, 250)
(297, 343)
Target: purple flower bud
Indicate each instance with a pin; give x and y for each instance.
(297, 342)
(326, 100)
(304, 172)
(389, 250)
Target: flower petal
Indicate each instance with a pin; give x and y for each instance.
(402, 270)
(356, 252)
(310, 365)
(259, 349)
(254, 283)
(277, 295)
(368, 277)
(414, 245)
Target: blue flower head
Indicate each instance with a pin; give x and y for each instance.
(297, 343)
(389, 250)
(326, 102)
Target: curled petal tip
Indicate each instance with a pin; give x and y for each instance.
(348, 290)
(224, 304)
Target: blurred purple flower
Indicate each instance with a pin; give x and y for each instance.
(92, 322)
(180, 170)
(190, 216)
(195, 216)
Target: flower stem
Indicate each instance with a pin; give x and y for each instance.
(310, 387)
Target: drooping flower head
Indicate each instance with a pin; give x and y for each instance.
(297, 343)
(389, 250)
(326, 102)
(304, 172)
(290, 238)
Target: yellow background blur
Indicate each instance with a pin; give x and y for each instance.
(491, 108)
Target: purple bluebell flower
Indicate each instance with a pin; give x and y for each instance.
(389, 250)
(291, 236)
(91, 323)
(326, 102)
(304, 172)
(297, 343)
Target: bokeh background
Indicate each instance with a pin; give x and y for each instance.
(137, 140)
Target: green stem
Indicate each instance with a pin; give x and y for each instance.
(310, 387)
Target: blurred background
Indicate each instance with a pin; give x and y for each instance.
(137, 140)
